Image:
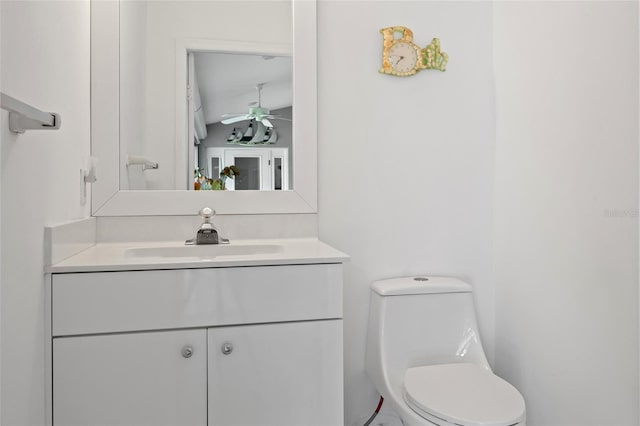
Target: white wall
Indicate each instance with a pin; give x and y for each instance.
(566, 209)
(44, 61)
(133, 76)
(405, 185)
(405, 164)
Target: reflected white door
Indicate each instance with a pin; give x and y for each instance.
(214, 163)
(253, 165)
(262, 169)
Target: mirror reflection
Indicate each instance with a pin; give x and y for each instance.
(187, 116)
(241, 116)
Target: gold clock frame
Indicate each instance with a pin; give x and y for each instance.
(431, 57)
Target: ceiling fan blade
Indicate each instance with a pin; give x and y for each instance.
(234, 118)
(277, 117)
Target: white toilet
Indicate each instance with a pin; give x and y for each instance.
(425, 357)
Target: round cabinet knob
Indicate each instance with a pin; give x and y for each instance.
(226, 348)
(207, 212)
(187, 351)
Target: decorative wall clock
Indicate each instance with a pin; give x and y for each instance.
(401, 57)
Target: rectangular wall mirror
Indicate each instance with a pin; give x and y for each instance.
(202, 103)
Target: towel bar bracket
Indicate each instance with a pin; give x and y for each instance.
(24, 117)
(18, 123)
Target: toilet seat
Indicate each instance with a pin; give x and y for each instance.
(464, 394)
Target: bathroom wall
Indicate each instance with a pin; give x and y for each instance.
(405, 164)
(133, 76)
(566, 209)
(406, 186)
(45, 62)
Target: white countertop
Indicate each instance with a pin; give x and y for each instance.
(118, 256)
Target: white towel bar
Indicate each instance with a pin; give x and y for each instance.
(146, 163)
(25, 117)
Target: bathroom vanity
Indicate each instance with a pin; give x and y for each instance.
(161, 336)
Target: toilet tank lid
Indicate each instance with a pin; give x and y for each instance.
(420, 285)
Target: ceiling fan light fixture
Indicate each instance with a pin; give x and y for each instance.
(260, 135)
(257, 113)
(265, 121)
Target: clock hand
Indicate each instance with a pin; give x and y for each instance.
(400, 58)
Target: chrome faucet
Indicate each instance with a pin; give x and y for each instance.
(207, 233)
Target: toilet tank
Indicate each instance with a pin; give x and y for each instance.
(420, 321)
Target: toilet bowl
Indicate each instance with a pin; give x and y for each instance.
(425, 357)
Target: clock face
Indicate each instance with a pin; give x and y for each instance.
(403, 58)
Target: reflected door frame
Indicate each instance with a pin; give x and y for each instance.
(266, 156)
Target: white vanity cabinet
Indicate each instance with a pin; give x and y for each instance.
(287, 374)
(255, 345)
(131, 379)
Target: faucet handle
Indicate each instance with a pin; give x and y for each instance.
(207, 213)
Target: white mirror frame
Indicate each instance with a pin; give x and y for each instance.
(108, 200)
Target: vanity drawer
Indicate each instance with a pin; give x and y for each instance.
(104, 302)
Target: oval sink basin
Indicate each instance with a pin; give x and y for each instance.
(204, 251)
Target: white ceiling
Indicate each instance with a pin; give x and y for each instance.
(227, 82)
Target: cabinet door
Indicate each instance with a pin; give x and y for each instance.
(130, 379)
(276, 374)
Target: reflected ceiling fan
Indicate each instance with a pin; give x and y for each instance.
(257, 113)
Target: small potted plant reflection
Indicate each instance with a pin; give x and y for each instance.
(202, 182)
